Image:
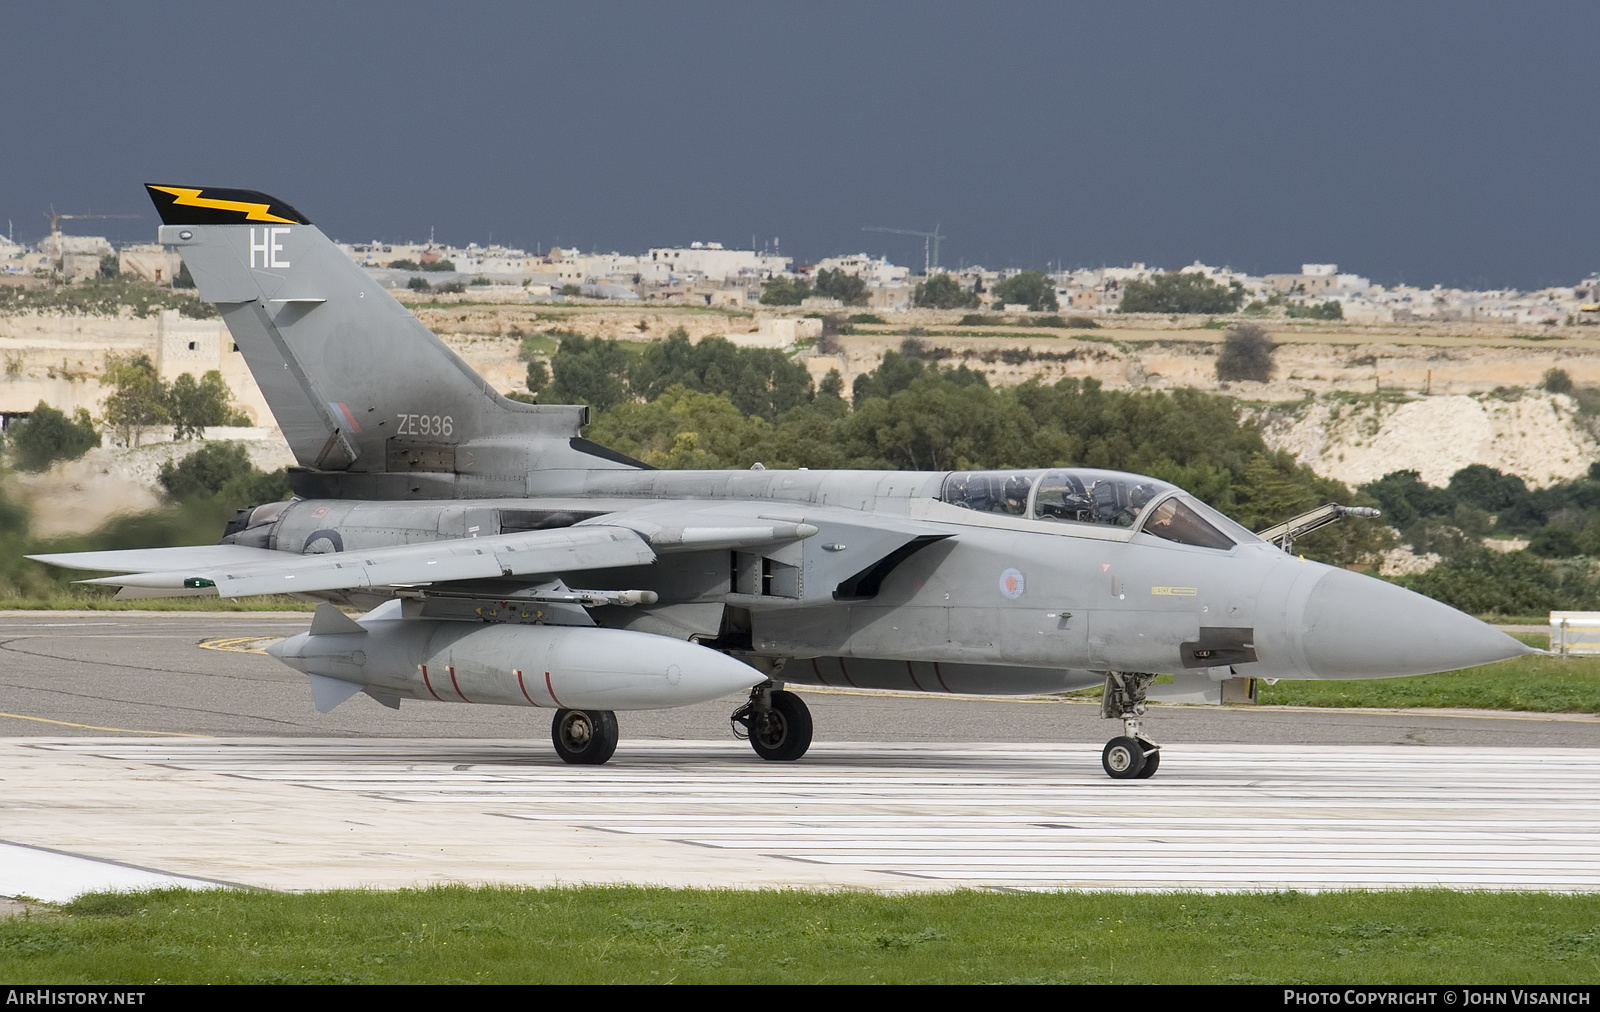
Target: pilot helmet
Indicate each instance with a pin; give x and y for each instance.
(1016, 490)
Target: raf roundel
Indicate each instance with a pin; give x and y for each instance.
(1011, 584)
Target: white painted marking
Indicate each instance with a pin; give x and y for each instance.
(1214, 817)
(56, 877)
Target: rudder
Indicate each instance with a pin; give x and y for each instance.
(357, 384)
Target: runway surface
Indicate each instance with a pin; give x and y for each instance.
(303, 814)
(132, 750)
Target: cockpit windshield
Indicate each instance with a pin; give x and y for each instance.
(1074, 495)
(1175, 519)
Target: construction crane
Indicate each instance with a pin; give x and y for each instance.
(56, 220)
(930, 244)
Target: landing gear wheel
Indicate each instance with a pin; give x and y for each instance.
(1123, 759)
(781, 733)
(584, 737)
(1133, 756)
(1152, 762)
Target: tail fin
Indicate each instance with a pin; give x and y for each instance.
(358, 385)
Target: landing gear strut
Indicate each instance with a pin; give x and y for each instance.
(777, 723)
(1132, 755)
(584, 737)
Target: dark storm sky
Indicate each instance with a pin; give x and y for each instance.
(1451, 143)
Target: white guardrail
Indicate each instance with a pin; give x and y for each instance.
(1574, 633)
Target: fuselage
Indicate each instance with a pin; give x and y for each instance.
(1002, 581)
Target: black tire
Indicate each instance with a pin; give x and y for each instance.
(1152, 761)
(1123, 758)
(783, 733)
(584, 737)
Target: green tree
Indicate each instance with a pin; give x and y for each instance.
(935, 424)
(1033, 289)
(48, 435)
(223, 472)
(1246, 354)
(590, 371)
(255, 488)
(832, 386)
(896, 372)
(1330, 310)
(759, 381)
(1485, 487)
(139, 396)
(538, 375)
(683, 428)
(205, 471)
(1178, 292)
(192, 406)
(1482, 581)
(943, 292)
(847, 288)
(1405, 498)
(1557, 381)
(785, 291)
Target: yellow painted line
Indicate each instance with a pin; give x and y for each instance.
(96, 727)
(234, 644)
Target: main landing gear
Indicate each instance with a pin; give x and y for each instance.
(1130, 756)
(584, 737)
(777, 723)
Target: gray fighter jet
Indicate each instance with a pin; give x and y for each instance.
(506, 559)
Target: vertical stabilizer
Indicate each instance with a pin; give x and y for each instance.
(357, 384)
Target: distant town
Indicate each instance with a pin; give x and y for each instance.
(708, 274)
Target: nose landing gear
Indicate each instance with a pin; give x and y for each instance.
(1132, 755)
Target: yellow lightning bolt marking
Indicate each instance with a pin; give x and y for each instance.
(188, 197)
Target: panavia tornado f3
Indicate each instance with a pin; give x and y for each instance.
(505, 559)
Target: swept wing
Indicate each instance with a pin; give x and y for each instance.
(236, 571)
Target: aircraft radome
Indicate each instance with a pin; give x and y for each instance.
(506, 559)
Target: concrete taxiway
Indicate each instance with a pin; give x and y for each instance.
(313, 814)
(135, 755)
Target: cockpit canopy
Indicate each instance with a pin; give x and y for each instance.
(1082, 495)
(1079, 494)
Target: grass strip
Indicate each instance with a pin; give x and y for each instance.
(454, 934)
(1535, 683)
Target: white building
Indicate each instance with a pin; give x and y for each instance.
(57, 245)
(709, 260)
(156, 264)
(873, 270)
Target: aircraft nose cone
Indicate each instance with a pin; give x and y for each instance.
(1360, 627)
